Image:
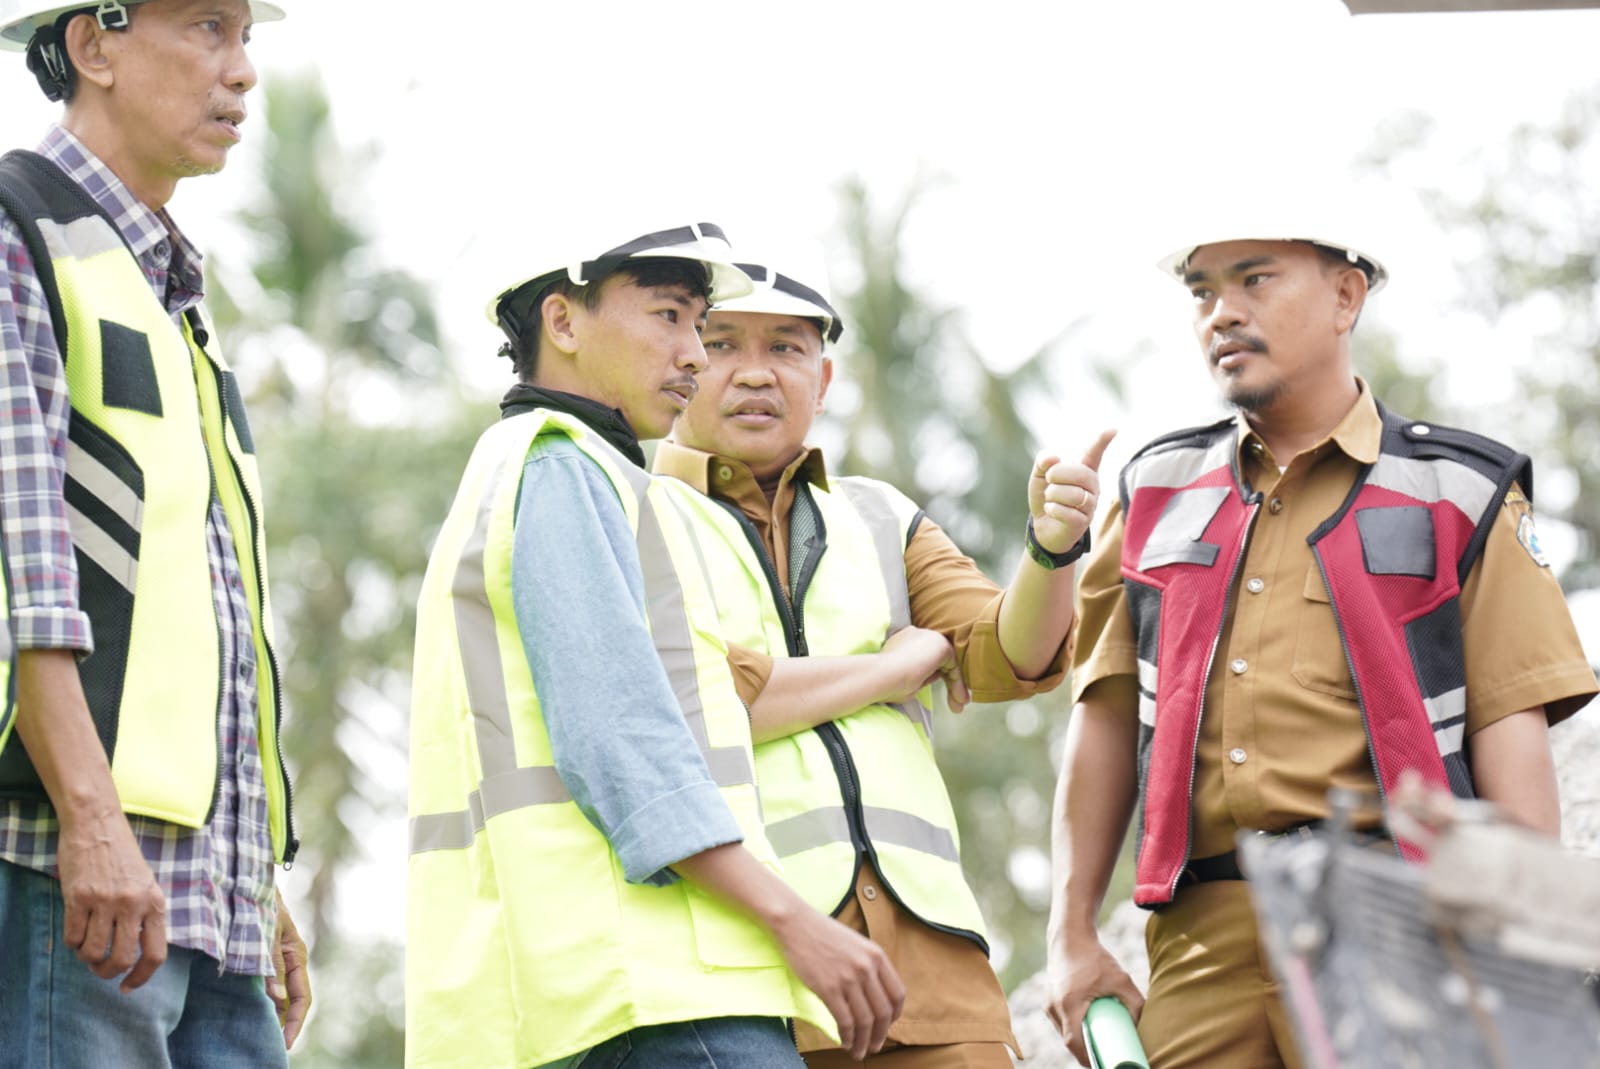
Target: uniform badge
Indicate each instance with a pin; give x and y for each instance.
(1530, 540)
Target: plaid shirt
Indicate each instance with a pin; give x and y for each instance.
(217, 879)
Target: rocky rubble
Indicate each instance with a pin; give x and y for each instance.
(1577, 748)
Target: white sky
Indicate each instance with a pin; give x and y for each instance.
(1077, 141)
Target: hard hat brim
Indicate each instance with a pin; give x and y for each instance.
(1175, 261)
(702, 243)
(15, 37)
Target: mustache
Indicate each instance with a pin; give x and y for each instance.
(687, 384)
(1237, 339)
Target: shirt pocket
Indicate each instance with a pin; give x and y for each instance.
(1320, 663)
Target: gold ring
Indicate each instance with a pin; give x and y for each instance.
(1084, 500)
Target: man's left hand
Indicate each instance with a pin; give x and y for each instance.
(290, 988)
(1062, 495)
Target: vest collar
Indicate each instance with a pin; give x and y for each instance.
(609, 423)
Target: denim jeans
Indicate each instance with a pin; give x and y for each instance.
(56, 1014)
(714, 1043)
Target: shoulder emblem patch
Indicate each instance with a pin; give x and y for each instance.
(1530, 540)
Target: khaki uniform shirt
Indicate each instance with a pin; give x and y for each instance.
(1278, 733)
(952, 994)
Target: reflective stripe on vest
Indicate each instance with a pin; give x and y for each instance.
(506, 786)
(157, 427)
(867, 780)
(525, 941)
(1187, 523)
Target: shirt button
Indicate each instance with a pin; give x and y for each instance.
(1255, 586)
(1275, 506)
(869, 892)
(1238, 756)
(724, 473)
(1238, 666)
(163, 250)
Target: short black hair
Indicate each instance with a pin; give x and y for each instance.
(648, 272)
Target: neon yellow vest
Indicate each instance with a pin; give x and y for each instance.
(868, 781)
(525, 943)
(157, 418)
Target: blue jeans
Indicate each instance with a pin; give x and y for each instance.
(715, 1043)
(56, 1014)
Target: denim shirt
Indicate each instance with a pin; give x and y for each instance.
(617, 733)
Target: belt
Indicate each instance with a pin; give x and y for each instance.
(1211, 869)
(1226, 866)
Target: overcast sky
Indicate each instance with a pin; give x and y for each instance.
(1078, 141)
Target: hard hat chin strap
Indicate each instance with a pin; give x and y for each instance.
(47, 51)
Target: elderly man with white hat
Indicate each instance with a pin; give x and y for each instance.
(143, 798)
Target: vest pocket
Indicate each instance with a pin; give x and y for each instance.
(1319, 660)
(128, 370)
(724, 939)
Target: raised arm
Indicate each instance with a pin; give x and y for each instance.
(1037, 612)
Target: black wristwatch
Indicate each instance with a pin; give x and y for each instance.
(1051, 561)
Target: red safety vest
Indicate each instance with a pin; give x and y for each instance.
(1393, 557)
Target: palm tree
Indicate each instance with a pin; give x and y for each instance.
(362, 433)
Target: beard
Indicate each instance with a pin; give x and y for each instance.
(1253, 399)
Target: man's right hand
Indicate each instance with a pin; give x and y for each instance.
(1079, 976)
(115, 912)
(919, 657)
(850, 973)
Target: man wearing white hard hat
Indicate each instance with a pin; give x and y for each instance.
(1315, 593)
(842, 601)
(143, 799)
(589, 878)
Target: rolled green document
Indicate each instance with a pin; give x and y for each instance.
(1110, 1035)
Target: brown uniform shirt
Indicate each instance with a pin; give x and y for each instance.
(1281, 722)
(952, 994)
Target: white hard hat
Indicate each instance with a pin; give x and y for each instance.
(511, 309)
(20, 19)
(1175, 262)
(778, 294)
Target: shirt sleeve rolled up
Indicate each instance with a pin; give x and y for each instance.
(617, 734)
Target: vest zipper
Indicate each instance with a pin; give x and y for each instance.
(844, 768)
(1211, 659)
(291, 844)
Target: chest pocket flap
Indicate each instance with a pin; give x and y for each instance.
(1175, 539)
(1397, 540)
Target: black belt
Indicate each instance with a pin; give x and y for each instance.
(1226, 866)
(1211, 869)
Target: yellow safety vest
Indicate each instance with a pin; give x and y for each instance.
(8, 655)
(157, 421)
(867, 782)
(525, 942)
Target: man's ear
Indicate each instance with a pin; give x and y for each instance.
(822, 386)
(558, 315)
(85, 45)
(1350, 296)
